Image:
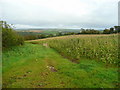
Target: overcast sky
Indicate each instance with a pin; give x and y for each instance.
(60, 13)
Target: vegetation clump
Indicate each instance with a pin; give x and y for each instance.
(9, 36)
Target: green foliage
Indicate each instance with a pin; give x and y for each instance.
(106, 31)
(112, 30)
(33, 37)
(90, 31)
(117, 29)
(10, 37)
(30, 37)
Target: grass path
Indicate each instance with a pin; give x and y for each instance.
(35, 66)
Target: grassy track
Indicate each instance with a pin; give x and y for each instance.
(35, 66)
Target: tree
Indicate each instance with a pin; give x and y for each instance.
(117, 29)
(106, 31)
(111, 30)
(59, 34)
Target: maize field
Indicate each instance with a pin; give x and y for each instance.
(99, 47)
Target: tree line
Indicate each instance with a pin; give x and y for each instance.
(112, 30)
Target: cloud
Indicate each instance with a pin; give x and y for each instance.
(60, 13)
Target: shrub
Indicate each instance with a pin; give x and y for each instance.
(9, 36)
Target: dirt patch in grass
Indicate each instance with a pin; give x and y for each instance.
(52, 68)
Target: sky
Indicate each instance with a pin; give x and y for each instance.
(60, 13)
